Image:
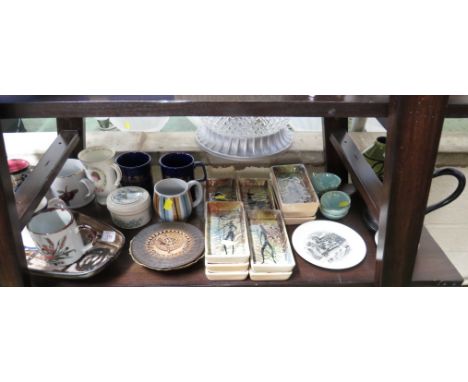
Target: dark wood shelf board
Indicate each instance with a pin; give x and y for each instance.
(222, 105)
(37, 184)
(95, 106)
(430, 268)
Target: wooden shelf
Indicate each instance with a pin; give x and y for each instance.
(187, 105)
(416, 122)
(95, 106)
(432, 268)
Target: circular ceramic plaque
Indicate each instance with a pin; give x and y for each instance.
(167, 246)
(329, 244)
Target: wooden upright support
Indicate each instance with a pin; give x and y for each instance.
(75, 124)
(333, 163)
(414, 129)
(13, 269)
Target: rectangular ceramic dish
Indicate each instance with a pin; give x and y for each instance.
(221, 190)
(295, 194)
(269, 276)
(256, 193)
(235, 267)
(226, 276)
(297, 221)
(226, 237)
(270, 247)
(292, 220)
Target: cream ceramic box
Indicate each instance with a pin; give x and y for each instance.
(220, 267)
(226, 276)
(130, 207)
(269, 276)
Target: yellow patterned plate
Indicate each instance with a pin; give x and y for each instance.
(168, 246)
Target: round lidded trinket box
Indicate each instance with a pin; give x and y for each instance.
(130, 207)
(19, 169)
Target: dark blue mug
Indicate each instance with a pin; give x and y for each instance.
(182, 166)
(136, 169)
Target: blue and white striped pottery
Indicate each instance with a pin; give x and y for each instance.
(172, 200)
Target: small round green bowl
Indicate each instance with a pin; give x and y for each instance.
(335, 204)
(325, 181)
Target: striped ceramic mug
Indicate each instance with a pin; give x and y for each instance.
(172, 199)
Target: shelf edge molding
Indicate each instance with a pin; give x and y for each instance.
(38, 182)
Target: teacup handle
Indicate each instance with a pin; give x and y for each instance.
(455, 194)
(85, 227)
(57, 203)
(89, 186)
(198, 192)
(202, 165)
(118, 174)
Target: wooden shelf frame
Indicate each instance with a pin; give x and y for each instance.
(190, 105)
(36, 185)
(409, 118)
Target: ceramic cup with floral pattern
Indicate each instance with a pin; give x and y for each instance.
(57, 235)
(73, 186)
(99, 161)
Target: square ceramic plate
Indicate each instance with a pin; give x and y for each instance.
(256, 193)
(221, 190)
(106, 249)
(271, 251)
(226, 238)
(295, 194)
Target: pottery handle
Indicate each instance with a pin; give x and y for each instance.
(198, 192)
(94, 233)
(202, 165)
(89, 186)
(118, 174)
(57, 203)
(455, 194)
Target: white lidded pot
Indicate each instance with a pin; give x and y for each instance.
(130, 207)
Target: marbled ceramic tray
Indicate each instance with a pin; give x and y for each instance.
(295, 194)
(106, 249)
(256, 193)
(221, 190)
(226, 238)
(270, 247)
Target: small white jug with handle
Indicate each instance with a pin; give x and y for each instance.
(99, 161)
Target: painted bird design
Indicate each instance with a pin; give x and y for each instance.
(67, 196)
